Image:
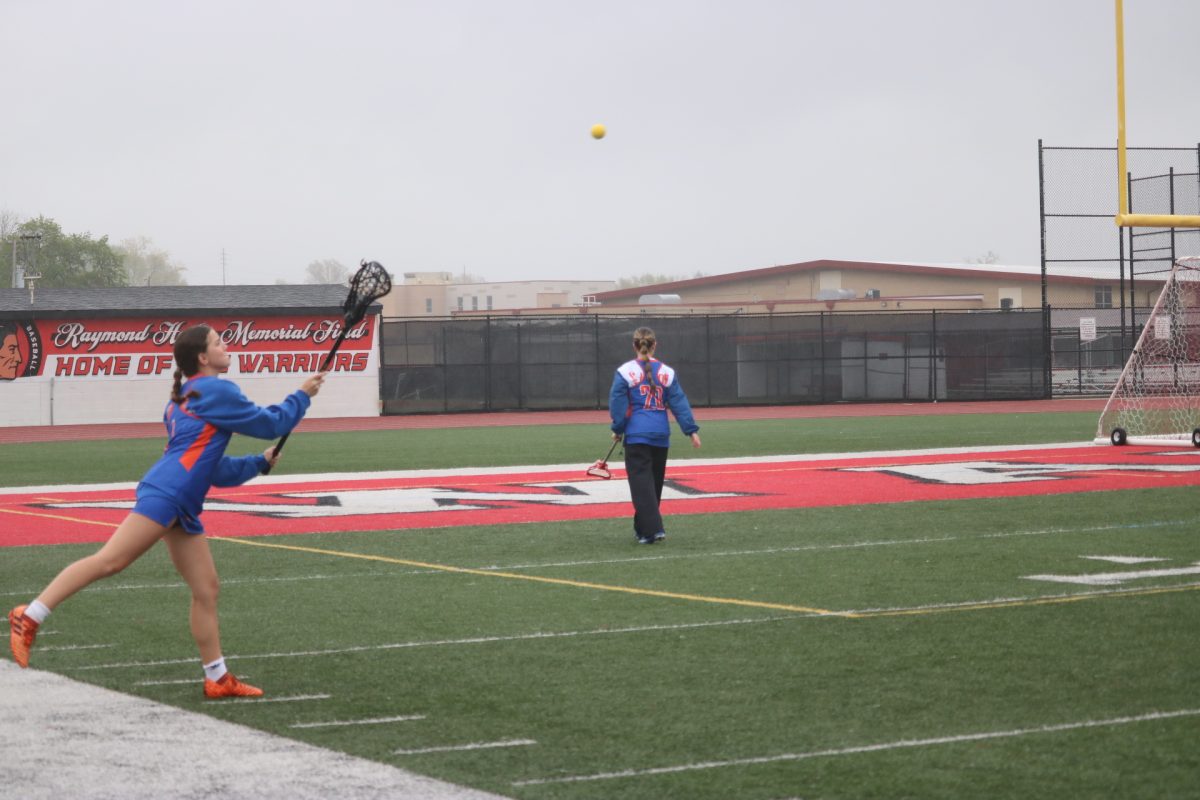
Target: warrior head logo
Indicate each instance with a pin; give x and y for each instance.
(20, 350)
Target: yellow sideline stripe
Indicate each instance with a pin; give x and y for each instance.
(541, 579)
(900, 612)
(58, 516)
(1033, 601)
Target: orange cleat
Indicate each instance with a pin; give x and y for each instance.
(24, 631)
(229, 686)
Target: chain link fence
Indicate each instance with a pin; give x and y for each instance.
(560, 362)
(557, 363)
(1078, 202)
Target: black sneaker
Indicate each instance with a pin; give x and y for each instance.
(660, 536)
(644, 539)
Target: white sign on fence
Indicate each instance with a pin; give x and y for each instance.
(1087, 329)
(1162, 327)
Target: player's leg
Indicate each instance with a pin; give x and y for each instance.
(134, 536)
(658, 466)
(639, 467)
(193, 560)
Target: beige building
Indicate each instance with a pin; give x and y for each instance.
(823, 285)
(436, 294)
(863, 285)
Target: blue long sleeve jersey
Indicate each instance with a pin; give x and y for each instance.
(199, 430)
(638, 404)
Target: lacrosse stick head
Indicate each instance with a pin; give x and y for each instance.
(599, 470)
(370, 283)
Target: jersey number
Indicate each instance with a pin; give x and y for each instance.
(652, 397)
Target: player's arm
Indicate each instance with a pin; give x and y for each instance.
(224, 406)
(618, 403)
(682, 409)
(236, 470)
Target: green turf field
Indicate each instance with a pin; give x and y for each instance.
(941, 672)
(126, 460)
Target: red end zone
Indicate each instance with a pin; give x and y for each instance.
(391, 503)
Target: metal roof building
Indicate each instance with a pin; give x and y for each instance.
(193, 300)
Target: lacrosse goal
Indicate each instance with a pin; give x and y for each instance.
(1157, 397)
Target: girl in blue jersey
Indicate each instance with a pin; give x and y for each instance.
(202, 416)
(642, 391)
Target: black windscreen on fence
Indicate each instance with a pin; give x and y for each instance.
(542, 363)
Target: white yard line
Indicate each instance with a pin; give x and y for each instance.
(123, 587)
(1005, 601)
(1104, 578)
(472, 746)
(848, 613)
(227, 582)
(1124, 559)
(448, 642)
(63, 647)
(868, 748)
(292, 698)
(848, 546)
(371, 721)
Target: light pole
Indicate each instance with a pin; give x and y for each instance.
(18, 271)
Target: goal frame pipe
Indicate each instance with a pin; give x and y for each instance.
(1129, 362)
(1123, 218)
(1122, 189)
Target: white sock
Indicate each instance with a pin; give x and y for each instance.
(37, 611)
(216, 670)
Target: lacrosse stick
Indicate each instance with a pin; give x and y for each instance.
(370, 283)
(600, 468)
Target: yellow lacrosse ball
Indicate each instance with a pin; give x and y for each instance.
(598, 131)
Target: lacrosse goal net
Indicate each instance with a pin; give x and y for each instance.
(1156, 400)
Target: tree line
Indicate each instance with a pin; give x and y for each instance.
(82, 261)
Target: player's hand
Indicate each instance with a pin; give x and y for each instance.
(313, 385)
(616, 437)
(696, 440)
(271, 456)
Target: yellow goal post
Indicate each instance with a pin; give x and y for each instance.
(1125, 219)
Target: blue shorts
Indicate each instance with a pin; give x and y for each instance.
(165, 511)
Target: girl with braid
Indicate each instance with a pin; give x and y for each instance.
(642, 391)
(203, 414)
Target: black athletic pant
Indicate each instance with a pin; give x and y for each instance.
(646, 466)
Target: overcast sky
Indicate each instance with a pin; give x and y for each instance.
(453, 135)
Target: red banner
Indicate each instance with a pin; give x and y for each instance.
(141, 346)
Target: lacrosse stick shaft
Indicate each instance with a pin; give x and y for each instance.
(324, 366)
(329, 358)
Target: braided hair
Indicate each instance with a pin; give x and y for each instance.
(189, 346)
(643, 342)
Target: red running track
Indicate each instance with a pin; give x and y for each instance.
(150, 430)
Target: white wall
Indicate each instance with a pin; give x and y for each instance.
(66, 402)
(69, 400)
